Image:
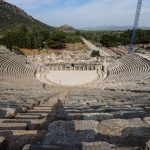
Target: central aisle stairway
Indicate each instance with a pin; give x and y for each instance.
(83, 123)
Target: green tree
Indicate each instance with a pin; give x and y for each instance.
(109, 40)
(78, 33)
(95, 54)
(30, 40)
(45, 34)
(125, 37)
(56, 40)
(53, 44)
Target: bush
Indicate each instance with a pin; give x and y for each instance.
(54, 44)
(95, 54)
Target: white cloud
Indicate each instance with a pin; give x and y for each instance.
(95, 13)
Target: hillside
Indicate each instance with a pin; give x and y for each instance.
(11, 16)
(66, 28)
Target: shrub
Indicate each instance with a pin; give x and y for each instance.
(95, 54)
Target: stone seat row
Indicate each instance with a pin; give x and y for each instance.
(84, 124)
(17, 73)
(12, 66)
(129, 68)
(17, 104)
(28, 125)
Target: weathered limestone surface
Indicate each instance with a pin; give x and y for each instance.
(98, 146)
(7, 112)
(147, 147)
(83, 146)
(123, 127)
(147, 120)
(131, 114)
(51, 147)
(65, 132)
(97, 116)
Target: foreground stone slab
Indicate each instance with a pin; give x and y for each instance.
(51, 147)
(13, 126)
(137, 122)
(7, 112)
(36, 114)
(74, 116)
(98, 146)
(123, 127)
(27, 116)
(16, 139)
(39, 111)
(97, 116)
(83, 146)
(31, 123)
(2, 139)
(147, 145)
(8, 133)
(130, 114)
(72, 132)
(42, 108)
(147, 120)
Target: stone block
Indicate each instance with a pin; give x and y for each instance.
(97, 146)
(72, 132)
(97, 116)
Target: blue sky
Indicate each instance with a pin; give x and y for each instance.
(85, 13)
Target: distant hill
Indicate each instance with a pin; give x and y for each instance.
(11, 16)
(66, 28)
(111, 28)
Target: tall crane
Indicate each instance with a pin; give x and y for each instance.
(135, 26)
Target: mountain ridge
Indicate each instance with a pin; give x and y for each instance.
(12, 16)
(111, 28)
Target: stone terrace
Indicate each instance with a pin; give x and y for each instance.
(110, 114)
(25, 103)
(93, 120)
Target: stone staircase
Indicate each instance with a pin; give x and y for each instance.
(26, 127)
(85, 122)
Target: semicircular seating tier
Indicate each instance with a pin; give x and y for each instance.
(14, 66)
(129, 68)
(16, 72)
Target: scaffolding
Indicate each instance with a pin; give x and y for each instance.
(135, 26)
